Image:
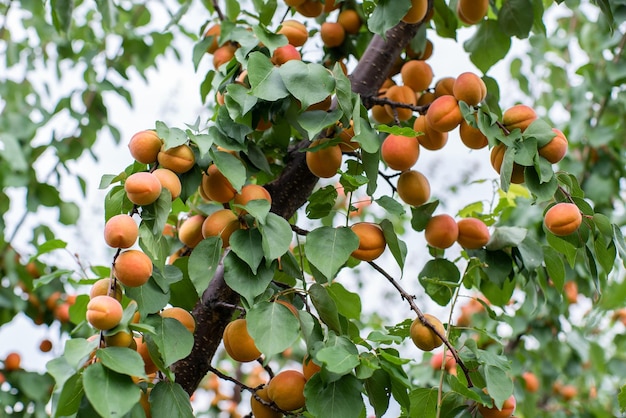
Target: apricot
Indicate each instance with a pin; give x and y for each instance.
(330, 5)
(104, 312)
(413, 188)
(285, 53)
(223, 55)
(215, 32)
(563, 219)
(470, 88)
(286, 390)
(12, 362)
(380, 115)
(142, 350)
(333, 34)
(144, 146)
(568, 392)
(144, 401)
(428, 137)
(473, 233)
(323, 105)
(472, 11)
(425, 338)
(350, 20)
(238, 343)
(120, 339)
(133, 268)
(472, 137)
(62, 313)
(555, 150)
(294, 31)
(121, 231)
(346, 135)
(531, 382)
(400, 94)
(417, 12)
(216, 186)
(190, 231)
(103, 288)
(508, 408)
(570, 288)
(444, 114)
(400, 152)
(417, 75)
(169, 180)
(45, 346)
(324, 162)
(518, 116)
(248, 193)
(436, 362)
(371, 241)
(426, 98)
(294, 3)
(182, 316)
(142, 188)
(309, 368)
(441, 231)
(221, 223)
(444, 86)
(424, 54)
(497, 156)
(310, 8)
(179, 159)
(263, 411)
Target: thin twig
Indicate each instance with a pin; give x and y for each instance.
(218, 10)
(395, 105)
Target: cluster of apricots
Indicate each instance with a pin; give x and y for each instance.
(442, 231)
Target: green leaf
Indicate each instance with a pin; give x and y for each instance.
(378, 389)
(541, 131)
(122, 360)
(239, 277)
(203, 262)
(12, 153)
(440, 277)
(622, 398)
(338, 399)
(329, 248)
(270, 39)
(348, 303)
(70, 396)
(154, 245)
(258, 209)
(325, 306)
(499, 384)
(273, 327)
(391, 205)
(276, 236)
(69, 213)
(313, 121)
(340, 358)
(531, 253)
(506, 236)
(554, 266)
(422, 214)
(322, 202)
(397, 130)
(48, 246)
(265, 80)
(386, 15)
(172, 137)
(169, 399)
(111, 394)
(231, 167)
(171, 337)
(149, 297)
(488, 45)
(396, 245)
(424, 402)
(62, 14)
(246, 243)
(370, 165)
(516, 17)
(309, 83)
(365, 135)
(446, 22)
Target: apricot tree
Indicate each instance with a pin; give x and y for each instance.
(260, 228)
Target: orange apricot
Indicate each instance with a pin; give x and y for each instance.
(142, 188)
(441, 231)
(417, 12)
(248, 193)
(216, 186)
(380, 115)
(330, 5)
(350, 20)
(120, 339)
(425, 338)
(508, 408)
(179, 159)
(333, 34)
(190, 231)
(346, 135)
(444, 114)
(518, 116)
(285, 53)
(223, 54)
(472, 137)
(570, 288)
(444, 86)
(426, 98)
(169, 180)
(322, 105)
(310, 8)
(428, 137)
(400, 94)
(400, 152)
(294, 31)
(324, 162)
(182, 316)
(286, 390)
(417, 75)
(215, 32)
(497, 156)
(371, 241)
(473, 233)
(294, 3)
(470, 88)
(563, 219)
(133, 268)
(221, 223)
(472, 11)
(238, 343)
(144, 146)
(436, 362)
(260, 410)
(424, 54)
(555, 150)
(568, 392)
(12, 362)
(309, 368)
(531, 382)
(413, 188)
(104, 312)
(103, 288)
(121, 231)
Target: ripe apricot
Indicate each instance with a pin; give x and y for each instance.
(428, 137)
(133, 268)
(555, 150)
(413, 188)
(436, 362)
(417, 75)
(333, 34)
(518, 116)
(182, 316)
(322, 105)
(400, 94)
(346, 135)
(350, 20)
(62, 313)
(417, 12)
(330, 5)
(380, 115)
(103, 288)
(497, 156)
(508, 408)
(216, 186)
(221, 223)
(142, 188)
(12, 362)
(263, 411)
(285, 53)
(142, 349)
(309, 368)
(104, 312)
(371, 241)
(324, 162)
(426, 98)
(568, 392)
(310, 8)
(441, 231)
(190, 231)
(444, 114)
(119, 339)
(531, 382)
(169, 180)
(470, 88)
(215, 32)
(473, 233)
(570, 288)
(294, 3)
(295, 32)
(144, 146)
(444, 86)
(400, 152)
(424, 54)
(472, 137)
(179, 159)
(472, 11)
(563, 219)
(248, 193)
(121, 231)
(286, 389)
(425, 338)
(238, 343)
(223, 54)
